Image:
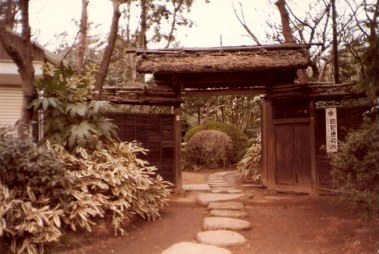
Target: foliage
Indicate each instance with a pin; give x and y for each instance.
(355, 166)
(241, 111)
(31, 180)
(45, 189)
(113, 182)
(210, 148)
(239, 139)
(250, 167)
(72, 118)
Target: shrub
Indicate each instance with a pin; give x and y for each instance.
(355, 166)
(44, 189)
(239, 139)
(209, 148)
(250, 167)
(31, 181)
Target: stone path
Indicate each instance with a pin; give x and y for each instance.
(225, 218)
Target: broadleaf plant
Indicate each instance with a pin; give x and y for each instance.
(72, 118)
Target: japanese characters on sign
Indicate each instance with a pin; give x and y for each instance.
(331, 130)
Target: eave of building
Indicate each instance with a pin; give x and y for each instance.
(9, 74)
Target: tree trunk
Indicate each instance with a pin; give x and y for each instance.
(83, 31)
(287, 34)
(335, 44)
(104, 65)
(23, 58)
(144, 10)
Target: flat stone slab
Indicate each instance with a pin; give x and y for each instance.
(278, 197)
(206, 198)
(229, 213)
(217, 223)
(194, 248)
(222, 173)
(196, 187)
(231, 191)
(221, 238)
(232, 205)
(220, 184)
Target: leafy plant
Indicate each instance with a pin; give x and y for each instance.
(355, 166)
(239, 139)
(32, 179)
(250, 166)
(72, 118)
(45, 189)
(112, 182)
(210, 148)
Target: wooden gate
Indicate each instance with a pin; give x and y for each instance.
(156, 133)
(292, 152)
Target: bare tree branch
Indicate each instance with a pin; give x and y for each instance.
(173, 23)
(244, 24)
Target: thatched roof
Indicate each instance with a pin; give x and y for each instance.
(230, 59)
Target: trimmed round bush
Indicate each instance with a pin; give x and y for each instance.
(239, 139)
(209, 148)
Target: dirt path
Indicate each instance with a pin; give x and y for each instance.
(281, 224)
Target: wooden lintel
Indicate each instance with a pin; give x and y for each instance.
(144, 101)
(220, 92)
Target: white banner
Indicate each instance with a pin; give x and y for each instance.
(331, 130)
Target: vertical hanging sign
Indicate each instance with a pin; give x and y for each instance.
(331, 130)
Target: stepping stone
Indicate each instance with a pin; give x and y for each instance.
(196, 187)
(228, 187)
(206, 198)
(229, 213)
(226, 205)
(279, 197)
(219, 185)
(194, 248)
(216, 223)
(221, 238)
(216, 180)
(222, 173)
(231, 191)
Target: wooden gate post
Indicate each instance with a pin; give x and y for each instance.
(178, 149)
(268, 177)
(312, 108)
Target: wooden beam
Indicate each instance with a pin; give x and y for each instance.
(144, 101)
(222, 92)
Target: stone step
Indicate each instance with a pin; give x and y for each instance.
(229, 213)
(206, 198)
(194, 248)
(221, 238)
(232, 205)
(217, 223)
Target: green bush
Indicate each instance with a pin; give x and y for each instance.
(45, 190)
(355, 166)
(209, 148)
(250, 167)
(239, 139)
